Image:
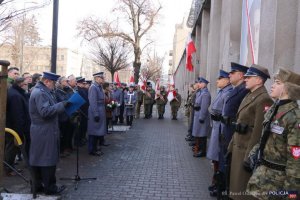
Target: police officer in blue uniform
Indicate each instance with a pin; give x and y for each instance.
(83, 91)
(216, 115)
(201, 124)
(231, 105)
(97, 115)
(45, 134)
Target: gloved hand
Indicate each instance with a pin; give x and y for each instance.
(247, 167)
(67, 104)
(201, 121)
(97, 119)
(228, 156)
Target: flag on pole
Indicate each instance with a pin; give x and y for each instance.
(131, 79)
(157, 88)
(250, 31)
(171, 91)
(142, 83)
(116, 79)
(190, 49)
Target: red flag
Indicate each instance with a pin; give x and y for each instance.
(190, 49)
(116, 79)
(131, 79)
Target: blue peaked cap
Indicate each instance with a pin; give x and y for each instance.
(238, 67)
(101, 74)
(202, 80)
(50, 76)
(256, 70)
(223, 74)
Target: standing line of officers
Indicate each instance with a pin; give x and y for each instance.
(255, 136)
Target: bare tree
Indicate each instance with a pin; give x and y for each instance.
(22, 32)
(140, 15)
(152, 70)
(111, 53)
(8, 11)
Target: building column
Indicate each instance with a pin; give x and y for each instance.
(277, 38)
(230, 37)
(213, 44)
(297, 50)
(203, 43)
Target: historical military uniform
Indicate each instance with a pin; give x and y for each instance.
(97, 115)
(248, 127)
(175, 104)
(148, 101)
(280, 158)
(45, 135)
(161, 101)
(139, 94)
(201, 125)
(129, 101)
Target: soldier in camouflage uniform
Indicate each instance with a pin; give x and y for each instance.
(175, 104)
(148, 101)
(161, 100)
(139, 102)
(279, 162)
(190, 111)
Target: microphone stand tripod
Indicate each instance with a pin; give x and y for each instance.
(77, 178)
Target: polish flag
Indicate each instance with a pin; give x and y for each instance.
(116, 78)
(131, 79)
(157, 88)
(190, 49)
(142, 83)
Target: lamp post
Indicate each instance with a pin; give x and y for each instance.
(54, 36)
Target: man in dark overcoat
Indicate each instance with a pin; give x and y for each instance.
(248, 128)
(97, 114)
(18, 119)
(231, 105)
(45, 135)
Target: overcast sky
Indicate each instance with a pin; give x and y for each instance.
(70, 12)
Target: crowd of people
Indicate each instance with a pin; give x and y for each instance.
(37, 109)
(254, 136)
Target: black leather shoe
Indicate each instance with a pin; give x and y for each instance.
(212, 187)
(192, 143)
(104, 144)
(57, 191)
(199, 154)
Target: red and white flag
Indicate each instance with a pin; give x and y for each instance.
(190, 49)
(250, 31)
(131, 79)
(116, 78)
(142, 83)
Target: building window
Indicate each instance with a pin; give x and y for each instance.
(62, 57)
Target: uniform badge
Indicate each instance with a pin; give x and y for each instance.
(276, 129)
(266, 108)
(295, 152)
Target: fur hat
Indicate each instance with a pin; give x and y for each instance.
(291, 82)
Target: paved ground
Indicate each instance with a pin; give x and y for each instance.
(150, 161)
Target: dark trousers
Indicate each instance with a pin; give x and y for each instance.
(121, 116)
(45, 179)
(66, 134)
(83, 128)
(129, 120)
(191, 122)
(92, 147)
(10, 151)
